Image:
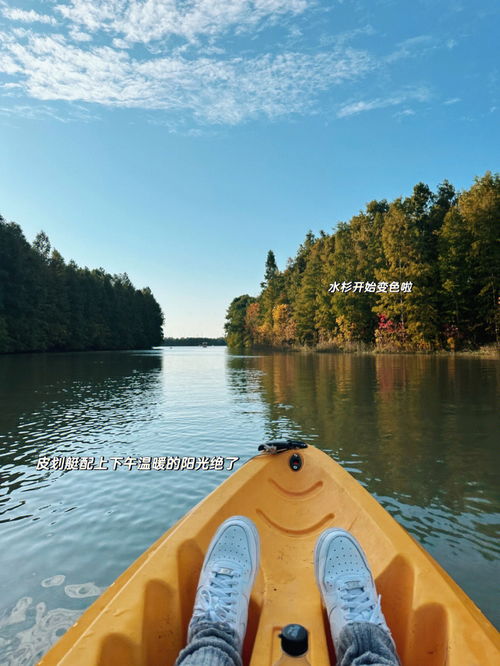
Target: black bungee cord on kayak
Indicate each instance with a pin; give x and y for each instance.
(282, 445)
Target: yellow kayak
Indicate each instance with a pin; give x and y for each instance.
(292, 497)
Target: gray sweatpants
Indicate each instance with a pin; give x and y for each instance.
(360, 644)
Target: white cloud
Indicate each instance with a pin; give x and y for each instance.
(27, 16)
(202, 59)
(212, 90)
(147, 20)
(347, 36)
(42, 111)
(120, 43)
(80, 36)
(418, 94)
(412, 47)
(405, 113)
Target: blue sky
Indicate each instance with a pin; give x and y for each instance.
(180, 140)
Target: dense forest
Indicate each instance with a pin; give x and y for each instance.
(48, 305)
(419, 273)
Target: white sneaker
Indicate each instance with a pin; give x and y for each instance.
(227, 576)
(346, 582)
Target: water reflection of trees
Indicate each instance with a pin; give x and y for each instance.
(418, 428)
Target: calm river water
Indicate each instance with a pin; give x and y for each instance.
(420, 432)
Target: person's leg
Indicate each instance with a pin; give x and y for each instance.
(218, 624)
(211, 644)
(360, 634)
(363, 643)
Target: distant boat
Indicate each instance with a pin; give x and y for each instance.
(204, 344)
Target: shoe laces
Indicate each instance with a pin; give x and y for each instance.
(216, 600)
(358, 604)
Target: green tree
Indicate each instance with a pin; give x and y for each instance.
(48, 305)
(455, 240)
(324, 316)
(305, 303)
(236, 333)
(271, 269)
(272, 288)
(42, 245)
(480, 208)
(405, 251)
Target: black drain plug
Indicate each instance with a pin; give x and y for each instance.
(295, 462)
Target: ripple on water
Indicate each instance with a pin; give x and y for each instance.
(83, 591)
(28, 630)
(53, 581)
(30, 644)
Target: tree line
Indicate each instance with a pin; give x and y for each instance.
(194, 342)
(418, 273)
(47, 304)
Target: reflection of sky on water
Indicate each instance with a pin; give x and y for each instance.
(417, 431)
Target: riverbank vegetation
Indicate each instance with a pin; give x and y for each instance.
(418, 274)
(47, 304)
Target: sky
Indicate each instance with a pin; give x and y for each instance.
(180, 140)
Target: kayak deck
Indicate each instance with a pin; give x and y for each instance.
(142, 617)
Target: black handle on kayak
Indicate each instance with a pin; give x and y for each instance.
(279, 445)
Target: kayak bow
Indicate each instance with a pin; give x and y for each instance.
(142, 617)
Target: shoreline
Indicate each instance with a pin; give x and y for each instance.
(485, 351)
